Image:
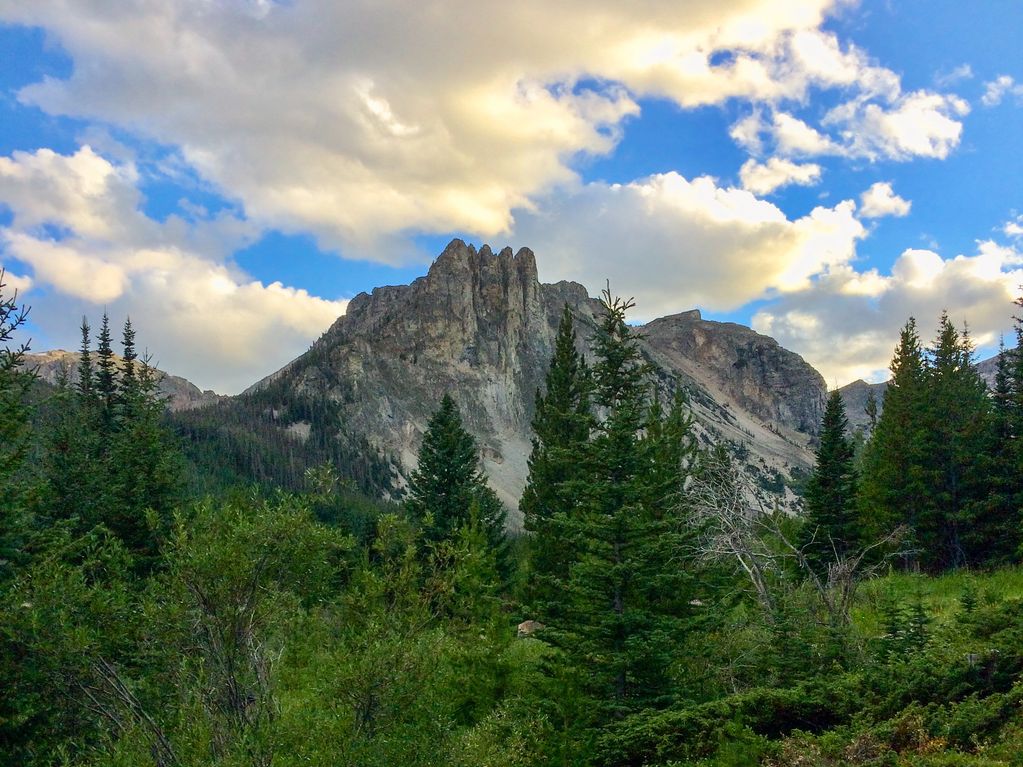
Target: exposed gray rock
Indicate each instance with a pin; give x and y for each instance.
(481, 327)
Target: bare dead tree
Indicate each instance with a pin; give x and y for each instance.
(735, 527)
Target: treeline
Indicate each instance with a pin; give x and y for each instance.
(271, 439)
(943, 462)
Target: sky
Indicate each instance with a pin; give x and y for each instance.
(229, 173)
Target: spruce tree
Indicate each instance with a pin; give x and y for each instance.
(956, 420)
(561, 427)
(449, 480)
(106, 377)
(144, 464)
(15, 383)
(831, 526)
(84, 379)
(626, 597)
(993, 533)
(894, 486)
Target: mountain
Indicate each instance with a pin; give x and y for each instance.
(481, 327)
(179, 393)
(854, 395)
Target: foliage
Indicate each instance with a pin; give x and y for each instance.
(449, 483)
(561, 429)
(831, 526)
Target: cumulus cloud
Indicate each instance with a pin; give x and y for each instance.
(996, 90)
(674, 242)
(364, 122)
(917, 124)
(880, 200)
(846, 324)
(764, 178)
(901, 127)
(77, 225)
(1014, 227)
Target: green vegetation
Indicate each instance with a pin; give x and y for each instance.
(187, 592)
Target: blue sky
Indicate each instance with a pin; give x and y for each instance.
(230, 173)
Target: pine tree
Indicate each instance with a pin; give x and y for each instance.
(106, 378)
(894, 486)
(108, 459)
(993, 534)
(561, 428)
(15, 383)
(831, 526)
(626, 597)
(85, 370)
(449, 480)
(145, 467)
(956, 420)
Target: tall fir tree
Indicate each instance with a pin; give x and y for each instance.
(626, 598)
(993, 534)
(106, 378)
(831, 528)
(85, 374)
(108, 459)
(15, 383)
(894, 486)
(957, 416)
(449, 480)
(561, 428)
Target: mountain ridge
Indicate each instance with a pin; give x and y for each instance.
(481, 326)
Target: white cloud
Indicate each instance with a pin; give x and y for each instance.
(675, 243)
(77, 225)
(764, 178)
(362, 123)
(14, 284)
(901, 127)
(996, 90)
(954, 76)
(846, 324)
(1014, 227)
(880, 200)
(917, 124)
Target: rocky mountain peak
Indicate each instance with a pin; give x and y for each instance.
(481, 327)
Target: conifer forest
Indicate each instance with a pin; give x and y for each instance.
(182, 589)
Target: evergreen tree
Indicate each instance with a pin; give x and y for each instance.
(626, 597)
(831, 525)
(993, 535)
(108, 459)
(561, 427)
(106, 378)
(956, 420)
(894, 485)
(84, 379)
(145, 467)
(15, 383)
(449, 480)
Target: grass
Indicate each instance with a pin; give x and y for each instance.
(940, 595)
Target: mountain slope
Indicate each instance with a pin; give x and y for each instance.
(481, 327)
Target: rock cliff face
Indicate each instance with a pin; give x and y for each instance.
(481, 327)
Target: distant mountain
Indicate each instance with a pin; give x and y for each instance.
(179, 393)
(481, 327)
(854, 395)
